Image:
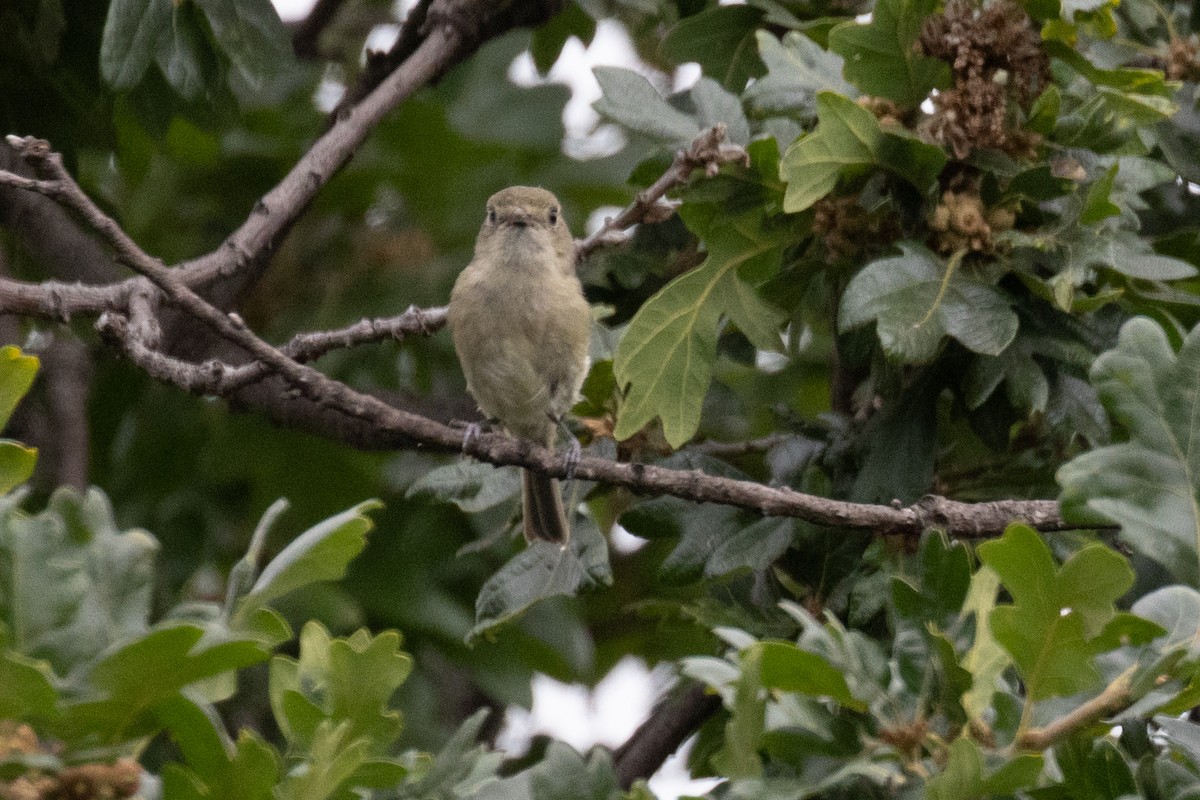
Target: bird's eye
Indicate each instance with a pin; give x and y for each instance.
(553, 215)
(492, 215)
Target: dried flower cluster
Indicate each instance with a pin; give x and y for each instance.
(962, 222)
(95, 781)
(888, 112)
(848, 231)
(999, 68)
(1183, 60)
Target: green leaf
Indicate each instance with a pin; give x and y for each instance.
(703, 529)
(132, 32)
(16, 464)
(339, 690)
(1177, 610)
(17, 372)
(1094, 768)
(881, 55)
(184, 54)
(788, 668)
(754, 547)
(473, 486)
(797, 69)
(150, 670)
(548, 40)
(1150, 484)
(75, 584)
(847, 139)
(847, 135)
(738, 756)
(716, 105)
(986, 660)
(251, 35)
(721, 40)
(1055, 612)
(250, 772)
(941, 583)
(916, 300)
(963, 777)
(540, 571)
(462, 768)
(26, 688)
(665, 359)
(628, 98)
(319, 554)
(1097, 205)
(1129, 254)
(562, 774)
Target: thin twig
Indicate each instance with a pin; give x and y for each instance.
(706, 152)
(1115, 697)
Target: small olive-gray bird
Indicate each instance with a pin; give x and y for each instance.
(521, 328)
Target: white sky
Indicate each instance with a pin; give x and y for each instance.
(622, 700)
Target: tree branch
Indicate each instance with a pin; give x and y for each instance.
(366, 421)
(706, 152)
(1115, 697)
(670, 724)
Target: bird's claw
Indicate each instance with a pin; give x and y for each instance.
(571, 458)
(471, 433)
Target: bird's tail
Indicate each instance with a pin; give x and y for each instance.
(542, 506)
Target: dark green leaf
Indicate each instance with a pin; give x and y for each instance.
(132, 33)
(721, 40)
(916, 300)
(882, 58)
(251, 35)
(540, 571)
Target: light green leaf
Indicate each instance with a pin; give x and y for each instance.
(1097, 205)
(1055, 612)
(339, 686)
(319, 554)
(75, 584)
(848, 138)
(16, 464)
(847, 135)
(797, 69)
(1149, 485)
(986, 660)
(916, 300)
(628, 98)
(665, 359)
(150, 670)
(26, 688)
(881, 55)
(963, 776)
(250, 772)
(17, 372)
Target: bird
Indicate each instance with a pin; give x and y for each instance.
(522, 327)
